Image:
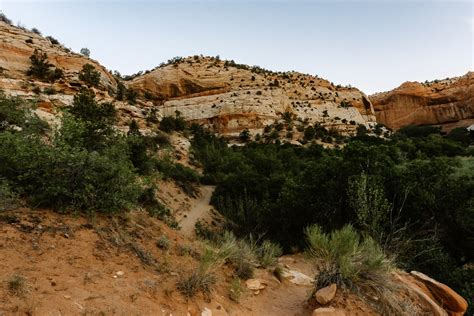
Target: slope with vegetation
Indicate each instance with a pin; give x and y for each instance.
(229, 97)
(94, 174)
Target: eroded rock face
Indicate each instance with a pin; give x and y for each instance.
(230, 98)
(17, 45)
(449, 103)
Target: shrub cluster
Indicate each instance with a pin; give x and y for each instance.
(413, 194)
(89, 75)
(42, 69)
(86, 166)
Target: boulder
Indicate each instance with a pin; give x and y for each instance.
(451, 301)
(328, 311)
(326, 294)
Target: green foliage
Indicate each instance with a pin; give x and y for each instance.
(348, 257)
(169, 124)
(309, 133)
(121, 90)
(131, 96)
(245, 136)
(17, 115)
(163, 242)
(89, 75)
(85, 51)
(41, 68)
(138, 145)
(236, 290)
(403, 192)
(461, 135)
(8, 198)
(184, 176)
(417, 131)
(88, 123)
(85, 168)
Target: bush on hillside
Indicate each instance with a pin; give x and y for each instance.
(345, 257)
(169, 124)
(41, 68)
(89, 75)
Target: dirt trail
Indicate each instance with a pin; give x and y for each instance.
(200, 209)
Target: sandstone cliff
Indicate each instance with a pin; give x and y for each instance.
(229, 97)
(448, 103)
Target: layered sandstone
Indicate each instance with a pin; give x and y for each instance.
(229, 97)
(448, 103)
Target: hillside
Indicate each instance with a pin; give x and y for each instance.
(448, 103)
(113, 203)
(230, 97)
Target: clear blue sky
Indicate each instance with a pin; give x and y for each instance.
(372, 45)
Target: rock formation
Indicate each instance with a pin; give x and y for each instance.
(448, 103)
(229, 97)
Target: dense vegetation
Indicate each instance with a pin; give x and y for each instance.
(413, 194)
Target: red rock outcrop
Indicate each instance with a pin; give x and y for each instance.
(448, 103)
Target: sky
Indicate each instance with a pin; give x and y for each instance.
(372, 45)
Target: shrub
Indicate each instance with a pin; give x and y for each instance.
(52, 40)
(138, 144)
(244, 136)
(85, 51)
(41, 68)
(236, 290)
(89, 75)
(184, 176)
(17, 285)
(4, 19)
(131, 96)
(49, 90)
(309, 133)
(8, 198)
(121, 90)
(202, 279)
(163, 242)
(90, 126)
(170, 123)
(268, 253)
(17, 115)
(36, 31)
(346, 258)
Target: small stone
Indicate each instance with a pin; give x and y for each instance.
(68, 297)
(328, 311)
(120, 273)
(254, 284)
(206, 312)
(326, 294)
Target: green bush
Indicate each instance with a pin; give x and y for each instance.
(8, 198)
(64, 177)
(345, 257)
(41, 68)
(17, 115)
(89, 75)
(89, 124)
(184, 176)
(169, 124)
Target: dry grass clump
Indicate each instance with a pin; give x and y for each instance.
(17, 285)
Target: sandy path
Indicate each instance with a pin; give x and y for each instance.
(199, 210)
